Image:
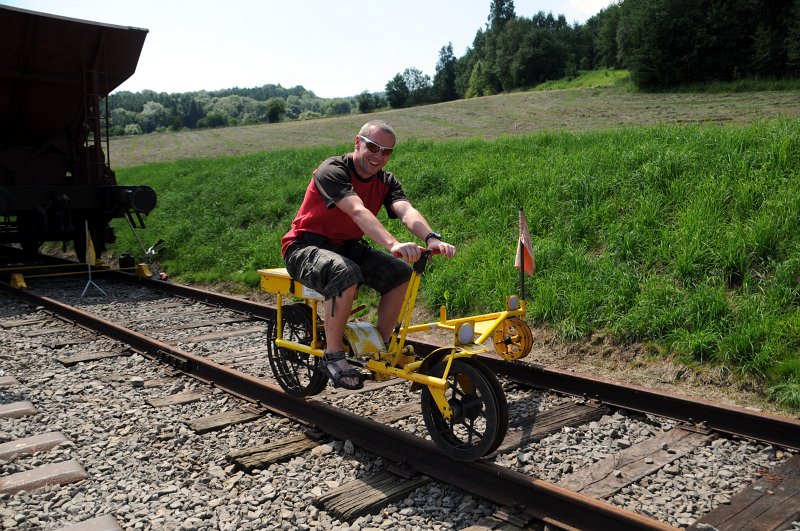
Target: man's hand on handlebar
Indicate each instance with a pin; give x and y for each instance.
(410, 252)
(443, 248)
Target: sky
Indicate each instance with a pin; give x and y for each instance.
(335, 48)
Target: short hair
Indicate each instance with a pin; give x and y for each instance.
(380, 125)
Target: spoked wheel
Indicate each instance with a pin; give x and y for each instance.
(295, 371)
(513, 339)
(479, 419)
(500, 396)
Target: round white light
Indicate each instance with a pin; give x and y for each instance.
(513, 303)
(466, 333)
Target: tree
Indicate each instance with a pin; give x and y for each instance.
(606, 40)
(478, 85)
(276, 107)
(293, 106)
(466, 63)
(500, 12)
(419, 86)
(213, 119)
(397, 92)
(133, 129)
(153, 115)
(337, 107)
(444, 81)
(658, 41)
(792, 42)
(366, 102)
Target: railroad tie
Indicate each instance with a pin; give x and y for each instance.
(538, 426)
(368, 495)
(263, 455)
(771, 503)
(187, 397)
(71, 342)
(608, 476)
(16, 410)
(221, 420)
(218, 335)
(55, 474)
(69, 361)
(31, 445)
(8, 381)
(44, 332)
(21, 322)
(100, 523)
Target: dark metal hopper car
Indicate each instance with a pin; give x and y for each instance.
(55, 74)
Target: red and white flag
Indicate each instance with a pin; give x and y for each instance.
(524, 259)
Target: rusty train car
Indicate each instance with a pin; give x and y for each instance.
(55, 176)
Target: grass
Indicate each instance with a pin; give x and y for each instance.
(598, 100)
(683, 236)
(589, 79)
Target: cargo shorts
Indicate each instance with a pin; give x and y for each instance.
(331, 269)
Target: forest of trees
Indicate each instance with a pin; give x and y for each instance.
(663, 43)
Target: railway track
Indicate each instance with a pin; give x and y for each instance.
(609, 456)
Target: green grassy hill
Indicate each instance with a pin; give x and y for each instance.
(682, 236)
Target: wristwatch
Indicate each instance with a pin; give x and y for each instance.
(432, 235)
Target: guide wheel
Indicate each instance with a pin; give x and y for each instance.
(513, 339)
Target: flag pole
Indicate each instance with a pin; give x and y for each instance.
(90, 252)
(521, 269)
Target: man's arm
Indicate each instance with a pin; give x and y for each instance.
(372, 227)
(419, 227)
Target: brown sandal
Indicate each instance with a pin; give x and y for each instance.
(329, 366)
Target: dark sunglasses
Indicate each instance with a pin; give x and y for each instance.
(375, 148)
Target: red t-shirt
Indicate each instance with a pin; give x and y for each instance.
(333, 180)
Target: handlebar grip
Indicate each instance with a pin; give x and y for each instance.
(423, 250)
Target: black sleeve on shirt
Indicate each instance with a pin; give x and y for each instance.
(395, 194)
(332, 179)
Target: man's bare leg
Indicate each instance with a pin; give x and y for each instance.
(337, 312)
(389, 310)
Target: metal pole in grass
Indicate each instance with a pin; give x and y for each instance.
(157, 273)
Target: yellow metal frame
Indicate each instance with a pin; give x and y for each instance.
(397, 360)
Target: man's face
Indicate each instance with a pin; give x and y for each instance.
(370, 157)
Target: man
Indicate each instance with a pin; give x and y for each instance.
(324, 250)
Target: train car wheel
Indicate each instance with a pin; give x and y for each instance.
(475, 425)
(295, 371)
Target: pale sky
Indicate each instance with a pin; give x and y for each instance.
(335, 48)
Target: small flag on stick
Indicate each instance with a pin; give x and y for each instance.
(91, 258)
(524, 259)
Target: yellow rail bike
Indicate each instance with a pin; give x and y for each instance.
(463, 403)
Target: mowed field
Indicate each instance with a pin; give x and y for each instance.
(483, 118)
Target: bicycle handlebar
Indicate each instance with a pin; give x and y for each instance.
(423, 250)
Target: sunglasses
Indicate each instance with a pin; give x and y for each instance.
(375, 148)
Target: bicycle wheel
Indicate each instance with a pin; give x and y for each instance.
(500, 397)
(475, 424)
(295, 371)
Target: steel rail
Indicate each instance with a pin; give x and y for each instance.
(765, 427)
(733, 420)
(545, 501)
